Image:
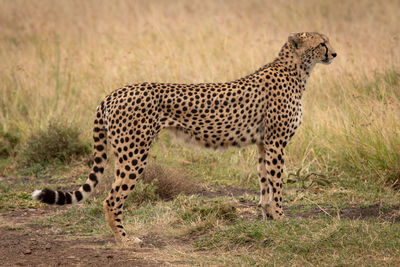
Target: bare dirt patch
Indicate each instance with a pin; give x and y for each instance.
(34, 246)
(23, 243)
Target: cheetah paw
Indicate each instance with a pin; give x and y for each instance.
(130, 242)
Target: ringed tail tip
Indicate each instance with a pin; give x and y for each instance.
(36, 195)
(45, 196)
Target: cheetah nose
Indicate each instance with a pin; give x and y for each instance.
(334, 54)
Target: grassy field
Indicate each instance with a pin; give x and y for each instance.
(58, 59)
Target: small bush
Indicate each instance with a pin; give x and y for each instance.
(169, 182)
(158, 184)
(57, 142)
(8, 142)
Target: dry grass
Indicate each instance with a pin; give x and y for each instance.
(55, 54)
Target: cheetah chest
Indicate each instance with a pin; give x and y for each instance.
(284, 120)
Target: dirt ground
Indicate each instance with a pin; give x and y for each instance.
(23, 243)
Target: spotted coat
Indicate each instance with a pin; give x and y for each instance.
(263, 108)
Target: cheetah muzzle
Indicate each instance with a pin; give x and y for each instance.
(263, 108)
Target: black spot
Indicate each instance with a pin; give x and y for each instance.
(97, 160)
(263, 180)
(68, 198)
(47, 196)
(124, 187)
(132, 176)
(78, 195)
(144, 157)
(93, 178)
(86, 188)
(61, 198)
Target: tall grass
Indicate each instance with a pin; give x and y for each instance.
(59, 58)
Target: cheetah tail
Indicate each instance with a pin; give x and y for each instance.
(100, 146)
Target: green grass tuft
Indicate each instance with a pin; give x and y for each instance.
(204, 210)
(144, 193)
(8, 142)
(311, 241)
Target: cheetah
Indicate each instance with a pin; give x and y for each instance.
(263, 108)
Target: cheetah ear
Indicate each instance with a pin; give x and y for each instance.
(294, 39)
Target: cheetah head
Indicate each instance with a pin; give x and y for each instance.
(313, 47)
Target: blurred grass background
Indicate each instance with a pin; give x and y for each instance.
(58, 59)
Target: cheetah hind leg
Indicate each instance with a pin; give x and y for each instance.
(126, 175)
(120, 238)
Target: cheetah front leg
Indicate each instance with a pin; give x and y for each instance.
(270, 169)
(265, 187)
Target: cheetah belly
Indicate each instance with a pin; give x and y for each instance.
(217, 137)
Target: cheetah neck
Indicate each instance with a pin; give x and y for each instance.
(301, 67)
